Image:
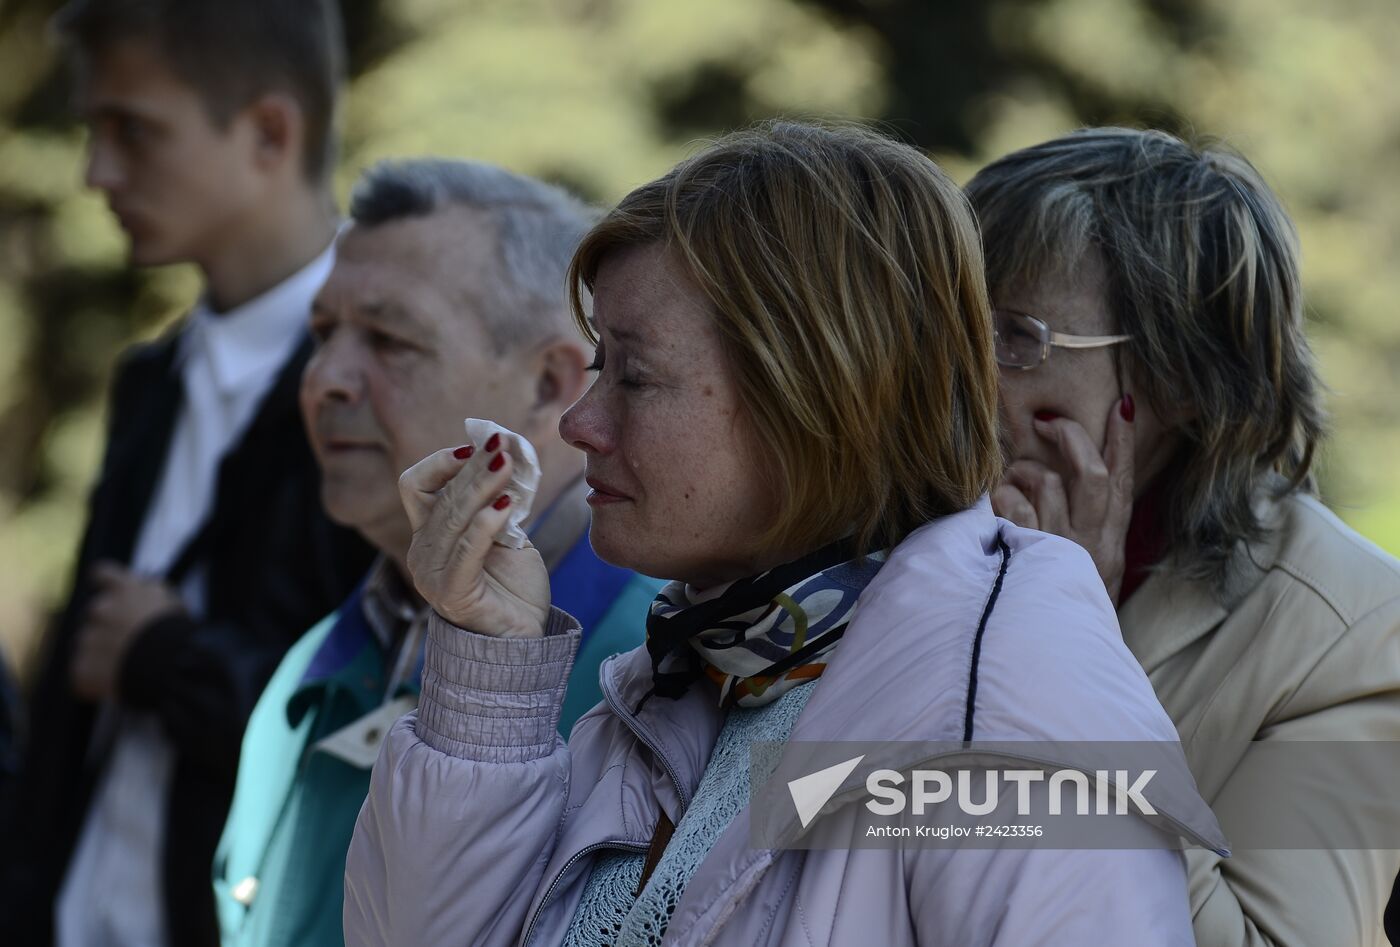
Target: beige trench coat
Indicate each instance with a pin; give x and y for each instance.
(1304, 646)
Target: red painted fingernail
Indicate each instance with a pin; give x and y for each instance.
(497, 462)
(1045, 415)
(501, 503)
(463, 452)
(493, 442)
(1127, 408)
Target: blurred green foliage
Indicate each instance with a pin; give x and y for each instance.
(602, 95)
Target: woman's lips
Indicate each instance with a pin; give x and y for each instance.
(601, 495)
(1044, 415)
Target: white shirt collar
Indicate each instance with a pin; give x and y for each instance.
(254, 339)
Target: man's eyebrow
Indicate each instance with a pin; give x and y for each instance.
(375, 310)
(391, 313)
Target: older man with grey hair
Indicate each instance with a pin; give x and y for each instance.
(447, 301)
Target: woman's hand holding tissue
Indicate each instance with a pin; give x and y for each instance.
(463, 507)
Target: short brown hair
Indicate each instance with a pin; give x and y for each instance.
(230, 52)
(845, 274)
(1202, 271)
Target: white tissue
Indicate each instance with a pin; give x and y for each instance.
(524, 475)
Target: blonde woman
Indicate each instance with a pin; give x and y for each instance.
(1164, 412)
(795, 369)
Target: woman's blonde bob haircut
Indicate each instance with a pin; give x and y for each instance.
(844, 271)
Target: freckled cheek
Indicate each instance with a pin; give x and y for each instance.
(643, 464)
(667, 474)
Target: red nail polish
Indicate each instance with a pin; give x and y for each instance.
(497, 462)
(1127, 408)
(493, 442)
(463, 452)
(1043, 415)
(501, 503)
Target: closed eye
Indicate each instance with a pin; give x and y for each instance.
(384, 342)
(629, 378)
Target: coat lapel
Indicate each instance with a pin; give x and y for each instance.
(143, 423)
(1168, 613)
(276, 419)
(1165, 615)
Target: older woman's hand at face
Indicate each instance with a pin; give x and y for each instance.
(1093, 508)
(456, 508)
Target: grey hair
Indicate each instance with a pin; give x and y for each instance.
(538, 227)
(1203, 272)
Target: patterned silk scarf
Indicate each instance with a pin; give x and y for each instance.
(759, 637)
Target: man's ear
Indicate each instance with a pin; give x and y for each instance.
(279, 132)
(561, 375)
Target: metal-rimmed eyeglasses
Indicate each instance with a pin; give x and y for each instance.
(1024, 342)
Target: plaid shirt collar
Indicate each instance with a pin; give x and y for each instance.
(391, 607)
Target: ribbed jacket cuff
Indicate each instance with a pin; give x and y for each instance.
(491, 699)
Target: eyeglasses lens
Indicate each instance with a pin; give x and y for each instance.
(1020, 340)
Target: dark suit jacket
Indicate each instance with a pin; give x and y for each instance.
(274, 566)
(1392, 914)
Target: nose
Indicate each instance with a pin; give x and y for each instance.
(586, 424)
(104, 167)
(333, 374)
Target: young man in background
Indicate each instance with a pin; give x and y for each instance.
(206, 551)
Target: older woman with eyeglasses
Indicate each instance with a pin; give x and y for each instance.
(795, 419)
(1163, 410)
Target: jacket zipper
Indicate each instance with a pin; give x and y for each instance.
(635, 847)
(627, 719)
(684, 797)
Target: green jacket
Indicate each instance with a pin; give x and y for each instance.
(315, 733)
